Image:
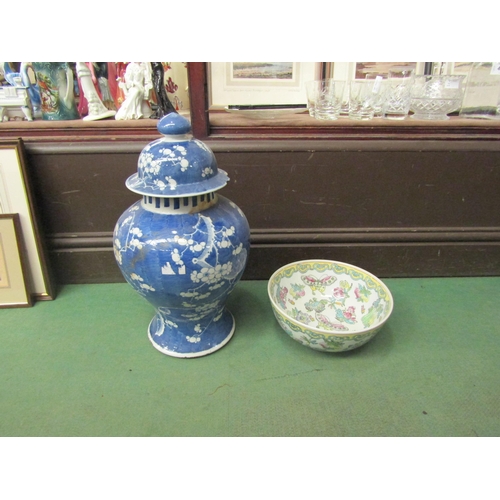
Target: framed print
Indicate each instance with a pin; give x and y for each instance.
(359, 70)
(14, 282)
(451, 68)
(244, 83)
(16, 197)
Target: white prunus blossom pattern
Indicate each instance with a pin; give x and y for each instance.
(203, 242)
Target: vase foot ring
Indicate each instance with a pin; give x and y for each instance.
(195, 354)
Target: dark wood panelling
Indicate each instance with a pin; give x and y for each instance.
(355, 189)
(80, 193)
(421, 208)
(85, 191)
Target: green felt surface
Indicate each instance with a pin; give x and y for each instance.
(82, 365)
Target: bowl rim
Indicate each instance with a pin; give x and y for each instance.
(318, 330)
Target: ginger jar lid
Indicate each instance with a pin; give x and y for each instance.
(176, 164)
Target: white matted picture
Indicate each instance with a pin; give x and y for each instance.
(232, 83)
(360, 70)
(16, 197)
(14, 282)
(451, 68)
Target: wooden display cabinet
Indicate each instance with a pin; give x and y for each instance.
(398, 199)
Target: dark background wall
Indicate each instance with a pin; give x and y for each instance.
(397, 208)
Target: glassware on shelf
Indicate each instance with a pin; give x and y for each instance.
(364, 96)
(433, 97)
(396, 103)
(324, 98)
(379, 86)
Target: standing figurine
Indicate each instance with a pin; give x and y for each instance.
(136, 87)
(164, 105)
(101, 75)
(96, 109)
(113, 83)
(119, 94)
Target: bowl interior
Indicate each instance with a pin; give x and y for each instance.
(329, 296)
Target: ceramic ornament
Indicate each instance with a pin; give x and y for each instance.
(136, 85)
(96, 109)
(100, 72)
(183, 246)
(164, 104)
(55, 81)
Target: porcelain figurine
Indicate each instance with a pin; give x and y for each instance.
(119, 94)
(162, 100)
(100, 70)
(136, 86)
(183, 246)
(113, 84)
(96, 109)
(83, 105)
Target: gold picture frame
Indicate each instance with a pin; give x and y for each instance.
(14, 283)
(16, 196)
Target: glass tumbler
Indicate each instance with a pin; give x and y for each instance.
(363, 99)
(397, 93)
(324, 98)
(379, 89)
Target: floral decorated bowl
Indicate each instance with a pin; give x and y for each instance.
(327, 305)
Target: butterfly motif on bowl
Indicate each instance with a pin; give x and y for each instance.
(318, 284)
(326, 324)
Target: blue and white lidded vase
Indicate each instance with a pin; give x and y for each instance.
(183, 247)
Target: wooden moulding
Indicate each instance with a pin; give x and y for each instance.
(403, 253)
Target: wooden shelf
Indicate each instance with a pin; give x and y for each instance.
(303, 126)
(219, 125)
(79, 130)
(225, 126)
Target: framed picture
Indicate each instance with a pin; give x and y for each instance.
(14, 283)
(244, 83)
(359, 70)
(451, 68)
(16, 197)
